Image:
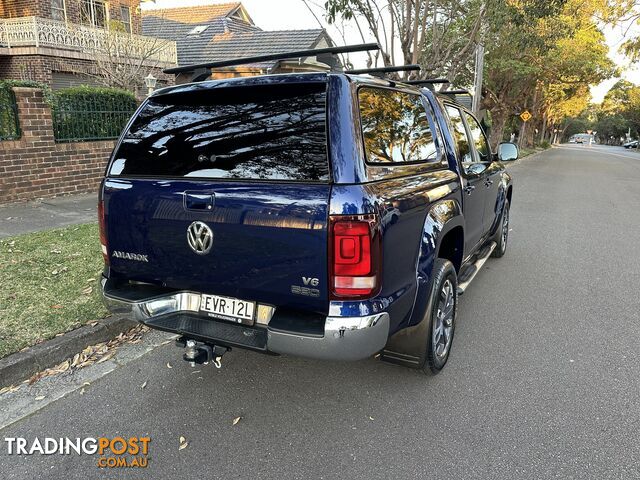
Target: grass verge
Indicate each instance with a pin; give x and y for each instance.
(49, 284)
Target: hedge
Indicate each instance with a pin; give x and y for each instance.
(91, 113)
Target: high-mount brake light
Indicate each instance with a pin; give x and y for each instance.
(355, 261)
(103, 232)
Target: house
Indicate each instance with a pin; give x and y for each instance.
(225, 31)
(71, 42)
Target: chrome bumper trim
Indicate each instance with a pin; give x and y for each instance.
(345, 338)
(143, 310)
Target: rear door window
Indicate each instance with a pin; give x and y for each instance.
(460, 136)
(262, 132)
(396, 127)
(479, 139)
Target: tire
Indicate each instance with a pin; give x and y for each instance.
(502, 235)
(443, 302)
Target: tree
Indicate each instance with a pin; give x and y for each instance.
(123, 60)
(439, 35)
(542, 57)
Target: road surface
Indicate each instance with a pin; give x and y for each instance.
(543, 379)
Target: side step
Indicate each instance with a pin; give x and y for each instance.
(470, 271)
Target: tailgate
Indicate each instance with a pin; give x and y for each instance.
(269, 241)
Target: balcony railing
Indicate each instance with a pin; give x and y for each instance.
(42, 32)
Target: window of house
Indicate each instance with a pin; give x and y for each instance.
(94, 13)
(58, 10)
(125, 18)
(395, 127)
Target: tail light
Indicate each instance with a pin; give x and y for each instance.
(355, 256)
(103, 232)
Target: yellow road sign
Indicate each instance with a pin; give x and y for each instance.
(525, 116)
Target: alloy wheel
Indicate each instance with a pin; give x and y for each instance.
(443, 326)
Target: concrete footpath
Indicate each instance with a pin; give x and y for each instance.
(34, 216)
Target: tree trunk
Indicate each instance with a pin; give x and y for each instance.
(499, 120)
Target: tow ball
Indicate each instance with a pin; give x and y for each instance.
(201, 353)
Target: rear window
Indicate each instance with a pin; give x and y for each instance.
(266, 132)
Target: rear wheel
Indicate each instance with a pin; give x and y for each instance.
(444, 302)
(502, 235)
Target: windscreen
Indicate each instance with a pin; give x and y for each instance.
(263, 132)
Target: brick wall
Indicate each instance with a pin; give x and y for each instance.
(41, 67)
(37, 167)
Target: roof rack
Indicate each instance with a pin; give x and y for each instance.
(274, 56)
(428, 81)
(461, 91)
(379, 70)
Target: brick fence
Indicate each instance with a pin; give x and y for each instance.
(35, 166)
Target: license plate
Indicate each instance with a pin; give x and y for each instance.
(227, 308)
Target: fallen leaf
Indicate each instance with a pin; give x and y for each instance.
(183, 443)
(371, 418)
(9, 389)
(143, 385)
(40, 397)
(56, 306)
(87, 290)
(106, 357)
(82, 391)
(91, 280)
(236, 420)
(56, 251)
(86, 383)
(169, 365)
(93, 324)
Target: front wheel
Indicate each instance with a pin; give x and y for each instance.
(502, 233)
(444, 302)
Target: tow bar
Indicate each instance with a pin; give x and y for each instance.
(201, 353)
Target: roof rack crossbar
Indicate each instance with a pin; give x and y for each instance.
(401, 68)
(428, 81)
(276, 56)
(456, 92)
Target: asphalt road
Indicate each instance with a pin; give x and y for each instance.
(543, 379)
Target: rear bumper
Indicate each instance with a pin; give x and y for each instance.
(344, 338)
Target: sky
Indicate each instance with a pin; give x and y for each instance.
(294, 15)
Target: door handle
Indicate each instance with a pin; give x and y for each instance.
(469, 188)
(198, 201)
(488, 182)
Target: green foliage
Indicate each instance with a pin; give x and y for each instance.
(543, 56)
(619, 112)
(91, 113)
(9, 124)
(7, 85)
(545, 144)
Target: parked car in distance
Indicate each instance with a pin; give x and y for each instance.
(631, 144)
(324, 215)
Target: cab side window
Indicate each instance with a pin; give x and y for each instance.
(479, 139)
(396, 128)
(460, 135)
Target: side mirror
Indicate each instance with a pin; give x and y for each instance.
(507, 151)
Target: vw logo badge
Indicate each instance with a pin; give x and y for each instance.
(200, 237)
